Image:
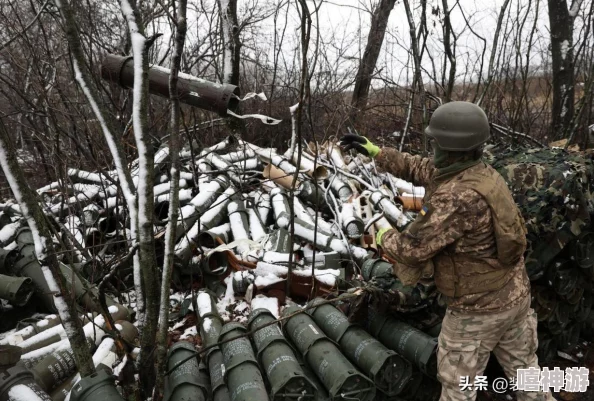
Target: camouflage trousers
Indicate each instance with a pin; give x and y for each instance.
(466, 341)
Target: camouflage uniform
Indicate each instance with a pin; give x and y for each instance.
(458, 221)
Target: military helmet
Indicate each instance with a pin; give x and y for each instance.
(458, 126)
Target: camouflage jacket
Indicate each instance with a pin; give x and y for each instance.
(459, 221)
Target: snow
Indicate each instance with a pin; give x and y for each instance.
(264, 269)
(204, 304)
(293, 108)
(178, 324)
(190, 332)
(300, 211)
(265, 281)
(325, 276)
(184, 75)
(118, 369)
(276, 257)
(48, 349)
(106, 347)
(8, 232)
(21, 392)
(44, 335)
(261, 301)
(227, 299)
(207, 324)
(564, 49)
(575, 8)
(241, 307)
(41, 323)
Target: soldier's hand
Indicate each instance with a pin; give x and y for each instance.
(360, 144)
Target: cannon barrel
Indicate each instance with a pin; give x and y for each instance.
(192, 91)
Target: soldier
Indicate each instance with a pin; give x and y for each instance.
(472, 232)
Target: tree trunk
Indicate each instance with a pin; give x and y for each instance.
(231, 54)
(232, 44)
(149, 272)
(170, 235)
(561, 23)
(379, 22)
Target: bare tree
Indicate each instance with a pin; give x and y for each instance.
(179, 15)
(561, 26)
(375, 39)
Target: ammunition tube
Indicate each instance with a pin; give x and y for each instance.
(99, 386)
(242, 373)
(16, 290)
(17, 382)
(287, 379)
(414, 345)
(7, 260)
(389, 371)
(55, 368)
(335, 371)
(184, 382)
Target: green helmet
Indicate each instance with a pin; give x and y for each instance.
(459, 126)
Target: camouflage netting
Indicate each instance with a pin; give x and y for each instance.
(555, 191)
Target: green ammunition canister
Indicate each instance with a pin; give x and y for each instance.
(287, 379)
(389, 371)
(242, 373)
(335, 371)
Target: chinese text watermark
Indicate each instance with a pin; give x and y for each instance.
(573, 380)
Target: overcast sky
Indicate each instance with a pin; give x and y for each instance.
(344, 25)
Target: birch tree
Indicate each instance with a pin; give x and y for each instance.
(179, 14)
(64, 298)
(145, 182)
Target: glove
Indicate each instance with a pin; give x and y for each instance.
(380, 234)
(360, 144)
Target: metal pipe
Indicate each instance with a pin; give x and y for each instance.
(353, 225)
(341, 188)
(193, 91)
(209, 219)
(391, 211)
(238, 218)
(257, 228)
(200, 203)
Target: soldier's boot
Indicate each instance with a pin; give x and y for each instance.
(465, 343)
